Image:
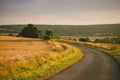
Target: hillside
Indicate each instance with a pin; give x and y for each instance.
(70, 30)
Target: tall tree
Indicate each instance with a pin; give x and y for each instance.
(30, 31)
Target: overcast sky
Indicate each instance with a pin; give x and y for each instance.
(59, 11)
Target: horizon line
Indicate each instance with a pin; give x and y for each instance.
(59, 24)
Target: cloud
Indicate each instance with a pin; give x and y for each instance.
(71, 10)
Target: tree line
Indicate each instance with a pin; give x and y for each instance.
(31, 31)
(115, 40)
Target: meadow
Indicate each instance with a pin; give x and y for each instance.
(34, 59)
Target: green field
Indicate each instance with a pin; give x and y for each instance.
(70, 30)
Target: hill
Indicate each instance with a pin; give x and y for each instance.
(70, 30)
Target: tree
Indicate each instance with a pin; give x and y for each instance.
(50, 33)
(87, 39)
(84, 39)
(30, 31)
(40, 33)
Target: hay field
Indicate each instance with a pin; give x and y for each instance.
(16, 53)
(23, 58)
(14, 47)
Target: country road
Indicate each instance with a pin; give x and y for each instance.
(95, 65)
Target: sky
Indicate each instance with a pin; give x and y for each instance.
(65, 12)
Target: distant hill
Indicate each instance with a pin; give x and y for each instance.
(69, 30)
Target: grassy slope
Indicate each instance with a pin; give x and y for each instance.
(27, 60)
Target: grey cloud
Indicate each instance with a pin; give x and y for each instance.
(63, 8)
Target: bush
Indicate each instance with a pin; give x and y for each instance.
(10, 34)
(98, 41)
(74, 39)
(46, 37)
(50, 33)
(84, 39)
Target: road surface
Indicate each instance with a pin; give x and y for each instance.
(95, 65)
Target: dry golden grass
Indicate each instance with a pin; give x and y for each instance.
(18, 48)
(104, 45)
(15, 38)
(19, 57)
(17, 54)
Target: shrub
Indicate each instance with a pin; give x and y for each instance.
(98, 41)
(50, 33)
(46, 37)
(84, 39)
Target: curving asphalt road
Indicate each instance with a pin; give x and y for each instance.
(94, 66)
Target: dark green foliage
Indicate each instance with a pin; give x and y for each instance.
(87, 39)
(30, 31)
(116, 40)
(98, 40)
(49, 33)
(74, 39)
(84, 39)
(40, 33)
(46, 37)
(108, 40)
(10, 34)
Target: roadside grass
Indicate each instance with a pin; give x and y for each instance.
(111, 49)
(34, 64)
(43, 72)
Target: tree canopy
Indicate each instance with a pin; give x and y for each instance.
(30, 31)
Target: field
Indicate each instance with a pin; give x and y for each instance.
(91, 38)
(27, 58)
(13, 47)
(112, 47)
